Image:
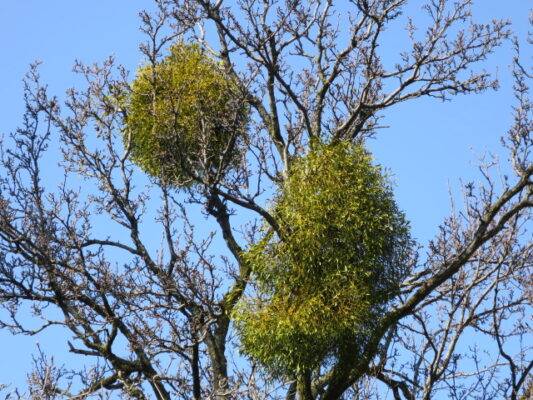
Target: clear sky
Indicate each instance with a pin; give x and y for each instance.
(428, 147)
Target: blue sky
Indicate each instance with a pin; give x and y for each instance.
(428, 147)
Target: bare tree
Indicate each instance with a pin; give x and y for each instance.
(155, 321)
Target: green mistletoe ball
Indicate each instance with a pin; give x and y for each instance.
(340, 259)
(186, 118)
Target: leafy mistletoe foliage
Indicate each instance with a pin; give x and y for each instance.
(186, 118)
(341, 258)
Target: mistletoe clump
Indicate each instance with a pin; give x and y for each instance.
(186, 118)
(340, 259)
